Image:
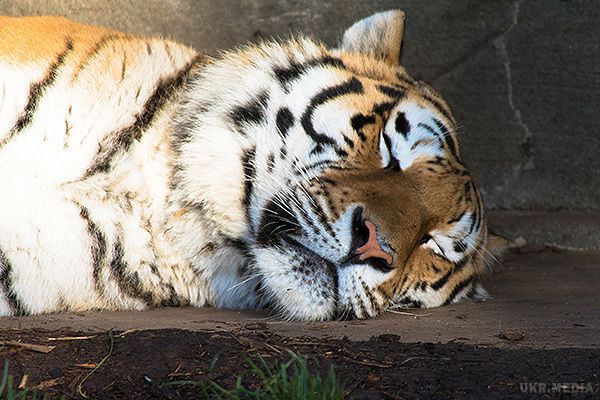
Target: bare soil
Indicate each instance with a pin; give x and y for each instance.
(381, 368)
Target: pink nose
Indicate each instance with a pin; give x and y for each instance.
(372, 248)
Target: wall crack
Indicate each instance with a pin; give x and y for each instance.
(527, 142)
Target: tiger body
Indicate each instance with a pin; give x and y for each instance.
(137, 172)
(66, 180)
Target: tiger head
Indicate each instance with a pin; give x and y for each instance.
(354, 191)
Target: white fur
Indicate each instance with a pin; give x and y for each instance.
(401, 148)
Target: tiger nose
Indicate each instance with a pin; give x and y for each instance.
(365, 235)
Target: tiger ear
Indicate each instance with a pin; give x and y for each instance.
(379, 36)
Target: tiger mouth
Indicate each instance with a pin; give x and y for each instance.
(346, 310)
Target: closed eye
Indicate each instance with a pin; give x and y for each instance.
(429, 242)
(425, 239)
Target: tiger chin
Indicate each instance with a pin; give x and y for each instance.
(318, 183)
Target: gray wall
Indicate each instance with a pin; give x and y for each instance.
(522, 77)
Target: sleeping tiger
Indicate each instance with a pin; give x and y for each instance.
(317, 183)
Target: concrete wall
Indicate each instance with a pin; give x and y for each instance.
(523, 77)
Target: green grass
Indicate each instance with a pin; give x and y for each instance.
(292, 380)
(288, 381)
(8, 391)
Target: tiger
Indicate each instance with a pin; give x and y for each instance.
(312, 181)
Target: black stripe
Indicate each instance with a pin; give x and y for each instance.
(332, 209)
(289, 73)
(479, 203)
(129, 283)
(358, 121)
(421, 142)
(284, 120)
(416, 304)
(383, 108)
(100, 44)
(182, 134)
(335, 278)
(16, 305)
(390, 91)
(319, 164)
(471, 293)
(448, 137)
(238, 244)
(276, 221)
(351, 86)
(394, 164)
(123, 67)
(368, 293)
(401, 285)
(435, 133)
(437, 285)
(296, 170)
(457, 289)
(460, 263)
(286, 75)
(473, 222)
(121, 140)
(67, 133)
(348, 141)
(459, 247)
(306, 219)
(174, 300)
(98, 248)
(410, 302)
(270, 162)
(253, 112)
(402, 125)
(340, 152)
(321, 215)
(362, 306)
(328, 180)
(282, 152)
(437, 161)
(458, 218)
(36, 91)
(467, 190)
(248, 160)
(407, 80)
(439, 106)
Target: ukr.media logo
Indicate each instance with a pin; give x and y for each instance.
(566, 388)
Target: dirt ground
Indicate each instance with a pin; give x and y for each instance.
(538, 337)
(383, 367)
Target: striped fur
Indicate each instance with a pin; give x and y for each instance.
(137, 172)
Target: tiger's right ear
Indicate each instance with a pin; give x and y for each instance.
(379, 36)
